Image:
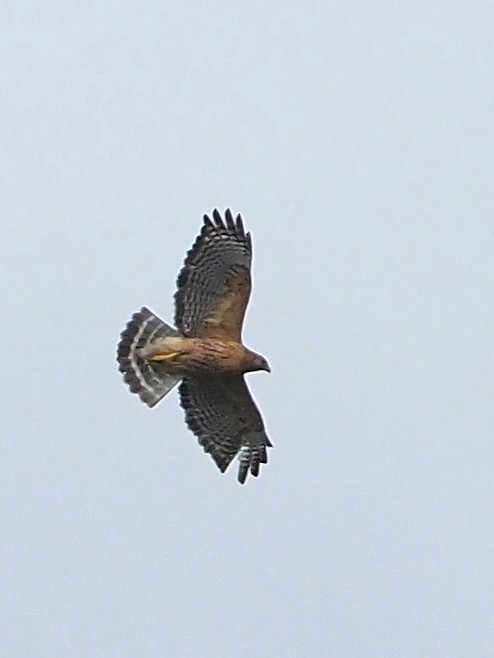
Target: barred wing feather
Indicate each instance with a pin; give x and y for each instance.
(222, 414)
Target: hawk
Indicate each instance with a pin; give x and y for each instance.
(205, 352)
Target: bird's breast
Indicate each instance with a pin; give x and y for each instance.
(211, 355)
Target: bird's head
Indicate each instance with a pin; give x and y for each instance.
(257, 362)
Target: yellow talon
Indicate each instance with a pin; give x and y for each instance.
(163, 357)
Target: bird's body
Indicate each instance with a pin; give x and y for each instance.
(180, 355)
(205, 351)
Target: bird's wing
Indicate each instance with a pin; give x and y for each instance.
(222, 414)
(213, 287)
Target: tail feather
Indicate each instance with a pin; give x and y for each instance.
(148, 379)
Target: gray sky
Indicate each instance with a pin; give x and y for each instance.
(357, 140)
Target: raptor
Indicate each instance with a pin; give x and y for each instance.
(205, 352)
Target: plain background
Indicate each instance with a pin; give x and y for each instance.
(356, 138)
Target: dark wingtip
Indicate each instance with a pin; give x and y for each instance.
(242, 473)
(217, 217)
(239, 225)
(235, 225)
(230, 224)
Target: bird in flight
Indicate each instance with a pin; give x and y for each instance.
(205, 352)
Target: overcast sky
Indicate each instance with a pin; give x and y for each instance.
(357, 140)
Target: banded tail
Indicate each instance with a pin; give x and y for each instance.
(148, 379)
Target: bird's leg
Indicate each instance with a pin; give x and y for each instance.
(162, 357)
(163, 349)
